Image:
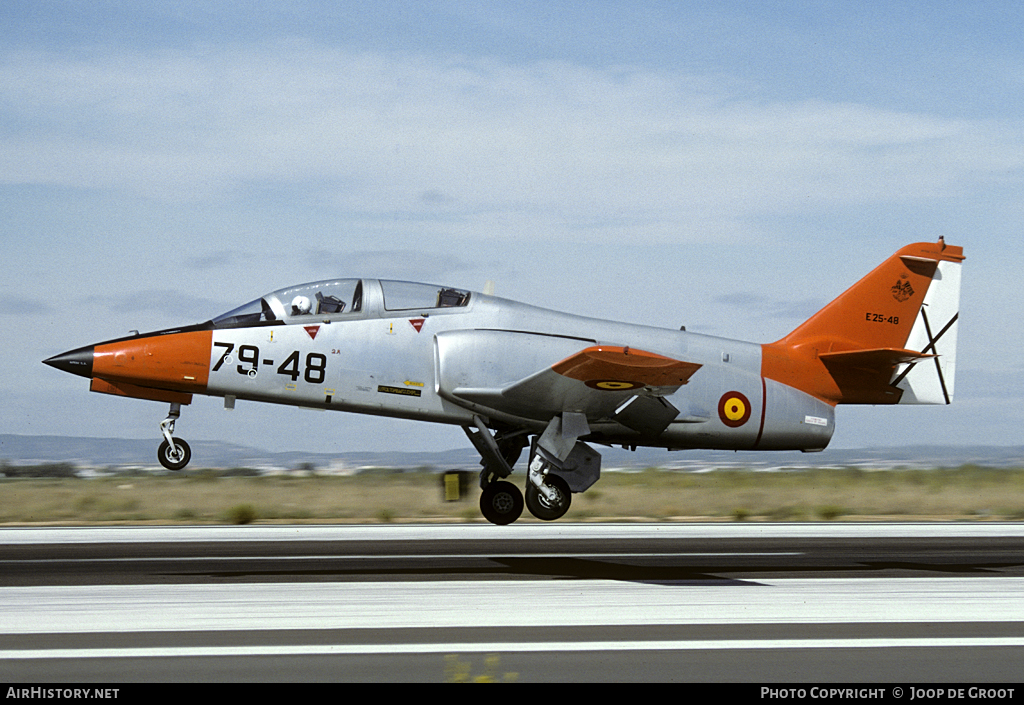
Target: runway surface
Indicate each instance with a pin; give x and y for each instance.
(762, 603)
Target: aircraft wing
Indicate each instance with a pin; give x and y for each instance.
(600, 381)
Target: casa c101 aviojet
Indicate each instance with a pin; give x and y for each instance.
(513, 375)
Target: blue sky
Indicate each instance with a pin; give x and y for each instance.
(730, 166)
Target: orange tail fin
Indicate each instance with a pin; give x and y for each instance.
(890, 338)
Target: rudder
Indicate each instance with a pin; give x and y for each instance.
(934, 332)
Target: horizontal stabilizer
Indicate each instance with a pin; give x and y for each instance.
(864, 376)
(872, 358)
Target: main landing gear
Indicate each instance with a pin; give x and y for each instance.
(173, 453)
(502, 503)
(548, 496)
(550, 505)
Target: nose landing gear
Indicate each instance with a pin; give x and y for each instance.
(173, 453)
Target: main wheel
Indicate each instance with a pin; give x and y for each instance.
(174, 458)
(540, 507)
(501, 503)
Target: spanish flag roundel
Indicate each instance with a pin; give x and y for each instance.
(734, 409)
(612, 385)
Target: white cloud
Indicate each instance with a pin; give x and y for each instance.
(620, 150)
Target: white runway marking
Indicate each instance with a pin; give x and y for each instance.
(515, 532)
(433, 604)
(509, 647)
(429, 557)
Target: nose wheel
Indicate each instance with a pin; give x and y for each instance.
(173, 453)
(174, 457)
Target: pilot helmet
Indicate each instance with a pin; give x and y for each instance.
(300, 305)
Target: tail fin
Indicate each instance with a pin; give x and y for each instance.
(889, 339)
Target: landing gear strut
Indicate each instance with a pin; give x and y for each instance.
(173, 453)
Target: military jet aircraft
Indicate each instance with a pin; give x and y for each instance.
(514, 375)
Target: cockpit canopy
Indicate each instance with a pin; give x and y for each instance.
(339, 297)
(405, 296)
(324, 298)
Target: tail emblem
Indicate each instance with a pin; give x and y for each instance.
(902, 290)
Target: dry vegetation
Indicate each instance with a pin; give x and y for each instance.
(201, 497)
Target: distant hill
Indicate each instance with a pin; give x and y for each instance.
(106, 452)
(103, 452)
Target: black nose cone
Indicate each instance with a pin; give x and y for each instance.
(77, 362)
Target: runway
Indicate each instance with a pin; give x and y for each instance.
(763, 603)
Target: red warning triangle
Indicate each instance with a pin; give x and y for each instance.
(312, 330)
(417, 323)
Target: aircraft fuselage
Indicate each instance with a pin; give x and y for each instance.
(507, 371)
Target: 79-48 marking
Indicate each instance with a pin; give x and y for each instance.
(314, 371)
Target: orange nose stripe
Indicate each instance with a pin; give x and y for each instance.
(178, 361)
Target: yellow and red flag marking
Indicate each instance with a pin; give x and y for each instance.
(734, 409)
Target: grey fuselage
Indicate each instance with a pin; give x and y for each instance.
(447, 364)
